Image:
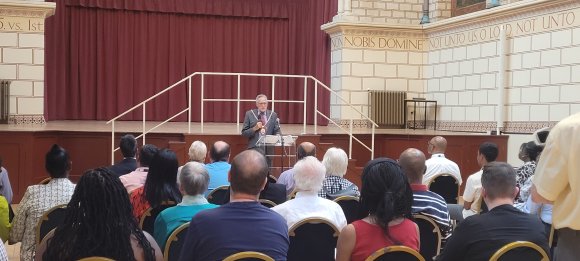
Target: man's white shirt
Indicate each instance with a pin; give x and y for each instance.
(438, 164)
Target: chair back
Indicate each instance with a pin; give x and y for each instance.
(272, 178)
(312, 239)
(218, 196)
(447, 186)
(248, 255)
(96, 258)
(350, 207)
(395, 253)
(267, 203)
(520, 250)
(45, 181)
(147, 222)
(49, 220)
(430, 236)
(175, 243)
(292, 194)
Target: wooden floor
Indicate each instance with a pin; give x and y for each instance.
(209, 128)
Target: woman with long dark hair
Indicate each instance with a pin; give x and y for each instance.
(160, 185)
(386, 197)
(99, 222)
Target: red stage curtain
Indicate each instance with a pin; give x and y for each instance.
(105, 56)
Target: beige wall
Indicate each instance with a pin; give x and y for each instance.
(22, 57)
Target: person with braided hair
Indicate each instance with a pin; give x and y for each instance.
(387, 198)
(99, 222)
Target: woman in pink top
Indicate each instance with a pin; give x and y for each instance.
(387, 197)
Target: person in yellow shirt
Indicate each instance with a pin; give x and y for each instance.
(4, 219)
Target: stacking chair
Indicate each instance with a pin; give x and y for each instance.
(96, 258)
(350, 207)
(292, 194)
(147, 222)
(218, 195)
(520, 250)
(50, 219)
(312, 239)
(430, 236)
(395, 253)
(45, 181)
(267, 203)
(175, 243)
(248, 255)
(447, 186)
(272, 178)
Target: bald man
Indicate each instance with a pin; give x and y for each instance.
(425, 202)
(438, 164)
(305, 149)
(218, 169)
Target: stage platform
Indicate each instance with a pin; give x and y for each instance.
(23, 147)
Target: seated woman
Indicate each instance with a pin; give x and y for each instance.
(40, 198)
(99, 222)
(387, 197)
(529, 153)
(160, 185)
(336, 161)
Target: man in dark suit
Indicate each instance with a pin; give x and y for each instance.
(260, 122)
(128, 146)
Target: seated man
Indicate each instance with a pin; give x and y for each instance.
(309, 174)
(480, 236)
(287, 177)
(136, 179)
(425, 202)
(218, 169)
(438, 163)
(241, 225)
(128, 146)
(193, 180)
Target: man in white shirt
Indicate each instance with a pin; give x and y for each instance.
(309, 174)
(438, 164)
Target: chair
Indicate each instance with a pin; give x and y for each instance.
(272, 178)
(447, 186)
(45, 181)
(312, 239)
(49, 220)
(292, 194)
(175, 243)
(395, 253)
(147, 222)
(482, 208)
(248, 255)
(96, 258)
(520, 250)
(218, 195)
(350, 207)
(430, 236)
(267, 203)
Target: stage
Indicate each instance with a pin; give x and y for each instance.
(23, 147)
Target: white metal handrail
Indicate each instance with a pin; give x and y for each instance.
(238, 100)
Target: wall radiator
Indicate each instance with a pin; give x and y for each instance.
(387, 108)
(4, 100)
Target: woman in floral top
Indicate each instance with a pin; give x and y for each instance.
(529, 153)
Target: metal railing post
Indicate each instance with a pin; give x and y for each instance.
(305, 104)
(373, 142)
(144, 111)
(202, 101)
(112, 142)
(316, 107)
(238, 102)
(189, 106)
(273, 91)
(350, 140)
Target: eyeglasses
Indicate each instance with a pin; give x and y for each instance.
(262, 103)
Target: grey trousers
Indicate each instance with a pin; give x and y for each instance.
(455, 212)
(568, 245)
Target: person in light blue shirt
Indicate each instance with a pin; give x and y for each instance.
(193, 181)
(219, 167)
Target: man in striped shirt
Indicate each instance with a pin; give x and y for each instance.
(425, 202)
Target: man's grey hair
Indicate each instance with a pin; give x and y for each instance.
(193, 178)
(335, 161)
(197, 151)
(309, 174)
(260, 96)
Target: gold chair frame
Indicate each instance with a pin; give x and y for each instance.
(447, 174)
(147, 213)
(173, 237)
(313, 221)
(344, 198)
(96, 258)
(43, 218)
(248, 254)
(267, 202)
(391, 249)
(436, 229)
(210, 195)
(513, 245)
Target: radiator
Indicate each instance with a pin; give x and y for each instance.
(387, 108)
(4, 100)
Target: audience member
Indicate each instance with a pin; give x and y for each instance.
(4, 219)
(241, 225)
(5, 187)
(487, 153)
(136, 179)
(557, 181)
(305, 149)
(40, 198)
(98, 222)
(529, 153)
(336, 161)
(197, 152)
(3, 254)
(160, 185)
(218, 169)
(425, 202)
(480, 236)
(308, 176)
(193, 182)
(387, 198)
(128, 146)
(438, 163)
